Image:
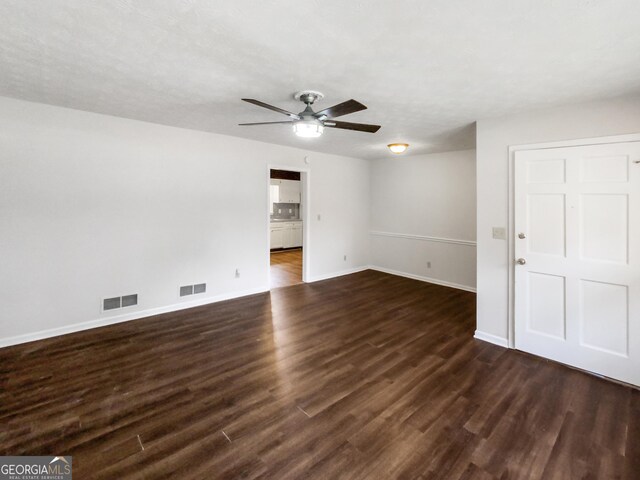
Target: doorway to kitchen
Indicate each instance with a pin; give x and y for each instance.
(286, 227)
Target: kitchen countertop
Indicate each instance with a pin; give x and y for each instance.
(281, 220)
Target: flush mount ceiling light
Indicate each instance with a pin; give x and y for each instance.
(398, 147)
(311, 124)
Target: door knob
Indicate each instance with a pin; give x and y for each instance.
(521, 236)
(521, 261)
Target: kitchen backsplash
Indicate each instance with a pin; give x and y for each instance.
(286, 211)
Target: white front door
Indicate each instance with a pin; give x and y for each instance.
(577, 257)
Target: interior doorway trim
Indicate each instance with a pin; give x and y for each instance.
(305, 198)
(634, 137)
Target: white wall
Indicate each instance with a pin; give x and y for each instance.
(423, 209)
(94, 206)
(493, 137)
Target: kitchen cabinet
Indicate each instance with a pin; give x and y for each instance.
(285, 235)
(289, 191)
(277, 236)
(285, 191)
(296, 234)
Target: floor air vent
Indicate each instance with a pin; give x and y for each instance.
(119, 302)
(129, 300)
(111, 303)
(193, 289)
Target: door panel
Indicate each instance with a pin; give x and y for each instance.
(604, 316)
(577, 289)
(547, 316)
(547, 223)
(604, 226)
(549, 170)
(604, 169)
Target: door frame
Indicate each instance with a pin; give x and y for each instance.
(634, 137)
(305, 199)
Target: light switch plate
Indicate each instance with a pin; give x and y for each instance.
(499, 233)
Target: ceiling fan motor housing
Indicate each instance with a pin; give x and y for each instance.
(308, 96)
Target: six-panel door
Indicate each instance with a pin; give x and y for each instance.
(577, 236)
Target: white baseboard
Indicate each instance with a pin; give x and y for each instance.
(326, 276)
(488, 337)
(103, 322)
(435, 281)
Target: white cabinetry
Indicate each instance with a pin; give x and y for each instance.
(285, 191)
(290, 191)
(277, 236)
(286, 235)
(296, 234)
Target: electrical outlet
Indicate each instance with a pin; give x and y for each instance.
(237, 273)
(345, 258)
(319, 218)
(428, 264)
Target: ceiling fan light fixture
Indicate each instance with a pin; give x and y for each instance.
(308, 128)
(398, 148)
(311, 124)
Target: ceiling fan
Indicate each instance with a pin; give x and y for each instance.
(308, 123)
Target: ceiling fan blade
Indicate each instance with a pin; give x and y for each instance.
(265, 123)
(271, 107)
(344, 108)
(360, 127)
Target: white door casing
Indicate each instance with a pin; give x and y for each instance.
(577, 297)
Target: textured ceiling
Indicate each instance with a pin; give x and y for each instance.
(426, 69)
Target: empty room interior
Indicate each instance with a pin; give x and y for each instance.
(320, 240)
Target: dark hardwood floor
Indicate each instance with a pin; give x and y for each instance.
(366, 376)
(286, 268)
